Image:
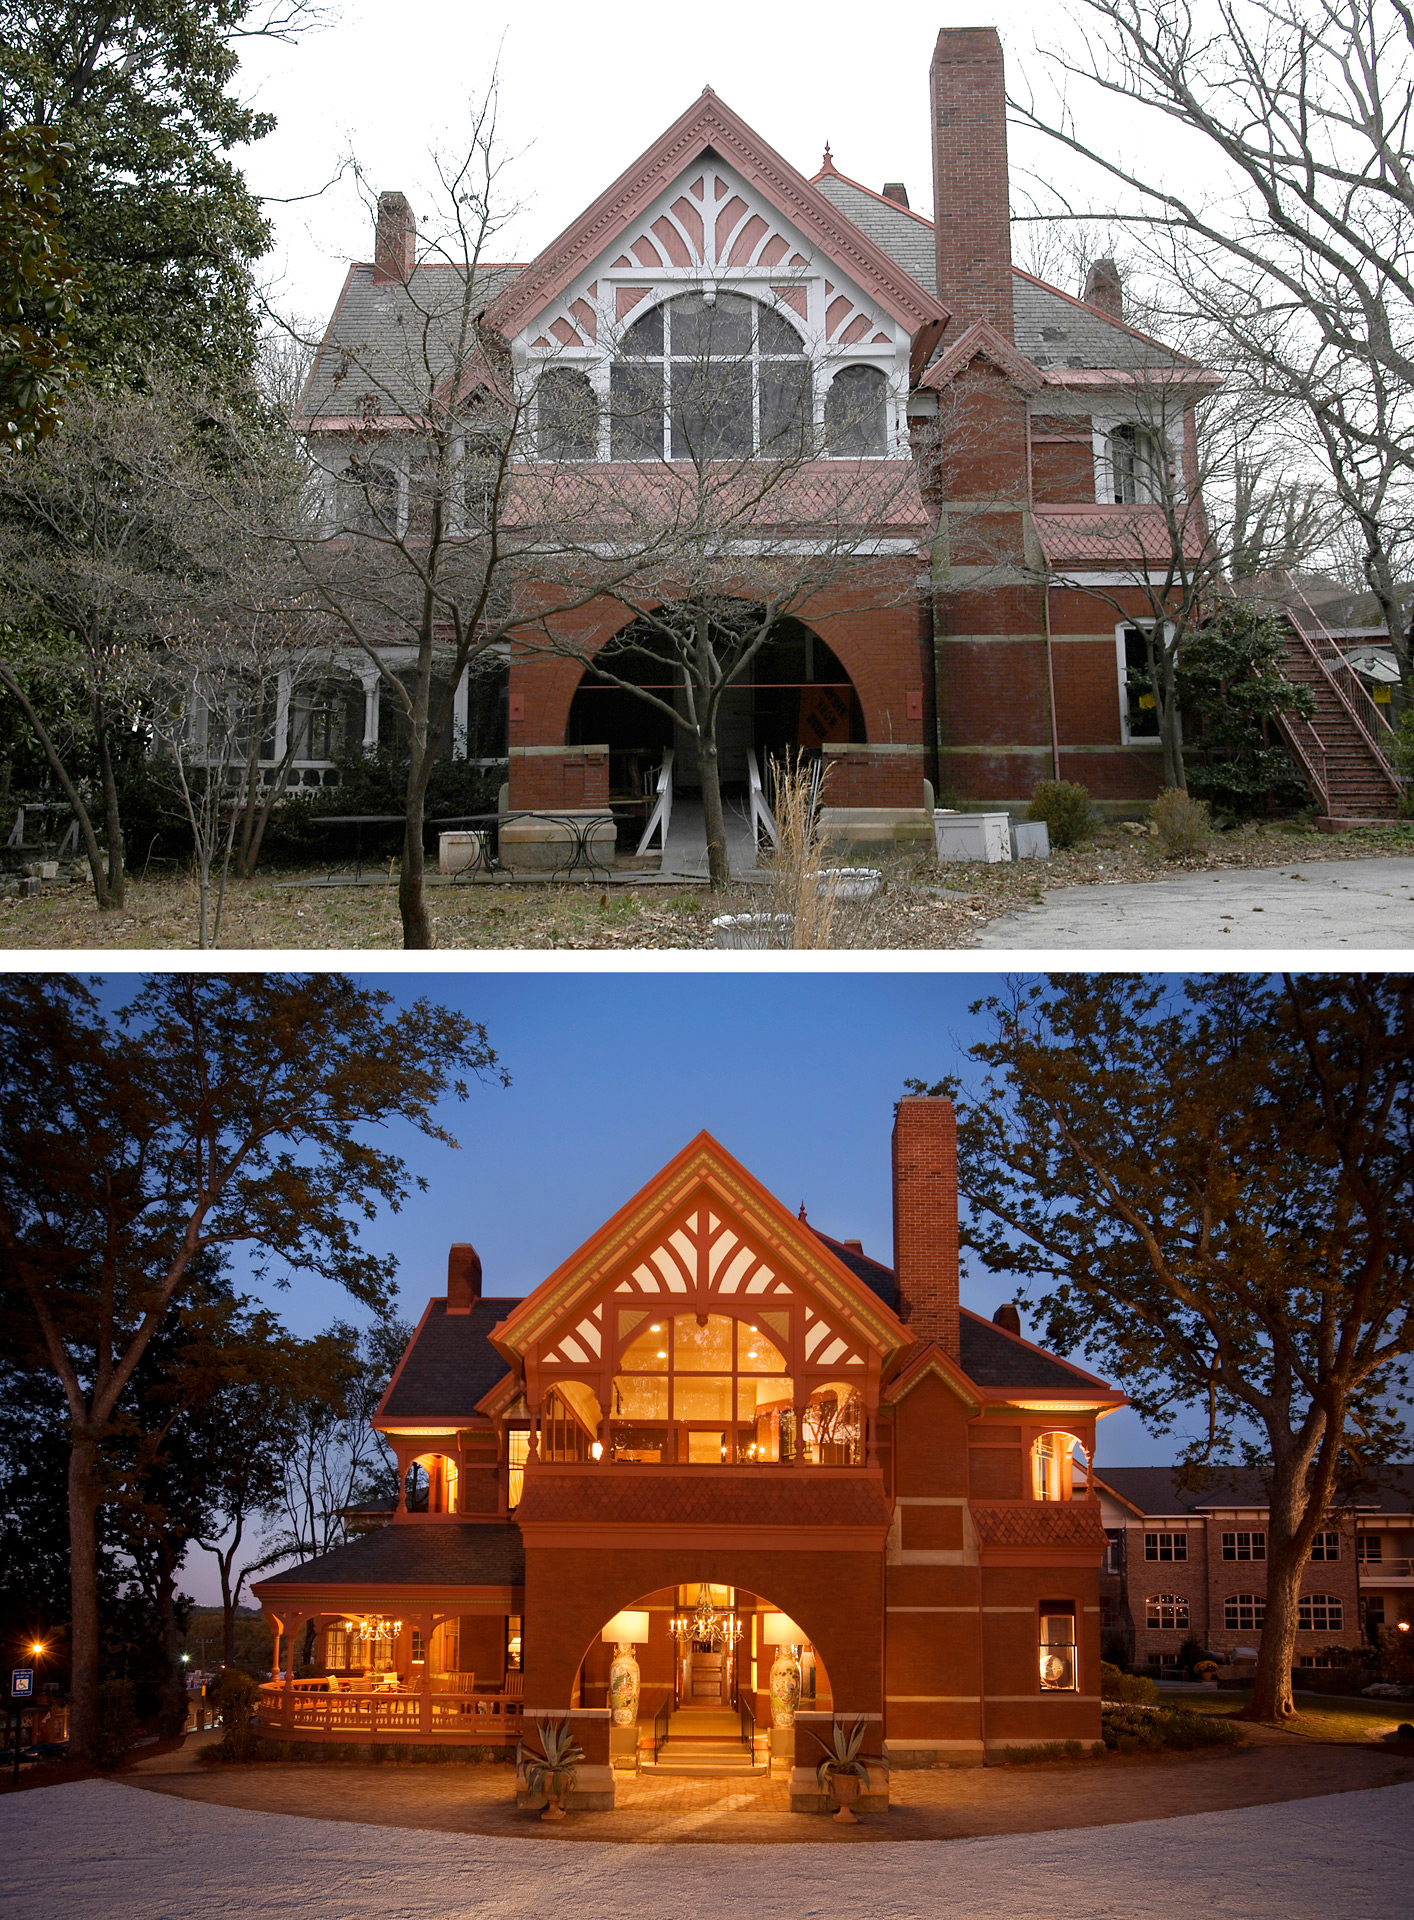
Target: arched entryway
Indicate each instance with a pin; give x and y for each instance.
(793, 696)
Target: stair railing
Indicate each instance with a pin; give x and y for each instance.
(1345, 683)
(660, 1728)
(660, 818)
(1305, 743)
(746, 1716)
(761, 817)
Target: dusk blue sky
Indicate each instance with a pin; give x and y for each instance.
(613, 1073)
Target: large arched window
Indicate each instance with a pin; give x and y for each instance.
(1244, 1612)
(706, 1389)
(709, 377)
(1320, 1613)
(856, 412)
(567, 416)
(1166, 1612)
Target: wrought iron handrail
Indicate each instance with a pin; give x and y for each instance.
(746, 1719)
(1373, 725)
(660, 1728)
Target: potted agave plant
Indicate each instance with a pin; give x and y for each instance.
(554, 1768)
(842, 1772)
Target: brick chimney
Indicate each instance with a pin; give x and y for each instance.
(463, 1277)
(925, 1220)
(1104, 288)
(395, 248)
(971, 196)
(896, 190)
(1008, 1316)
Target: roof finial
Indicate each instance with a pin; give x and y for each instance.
(801, 1214)
(827, 165)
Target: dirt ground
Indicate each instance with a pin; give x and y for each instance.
(931, 1804)
(922, 906)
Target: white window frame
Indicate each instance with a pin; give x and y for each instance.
(1126, 738)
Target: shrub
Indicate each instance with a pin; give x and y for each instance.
(1405, 1730)
(115, 1724)
(1160, 1730)
(1231, 685)
(1182, 822)
(1046, 1750)
(1065, 807)
(1131, 1688)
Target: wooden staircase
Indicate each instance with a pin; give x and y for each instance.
(1346, 752)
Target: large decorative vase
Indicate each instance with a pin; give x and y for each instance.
(785, 1688)
(623, 1686)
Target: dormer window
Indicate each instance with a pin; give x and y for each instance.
(709, 376)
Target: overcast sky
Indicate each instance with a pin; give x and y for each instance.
(613, 1074)
(584, 90)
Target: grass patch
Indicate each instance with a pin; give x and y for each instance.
(1331, 1717)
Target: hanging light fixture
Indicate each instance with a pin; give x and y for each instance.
(706, 1625)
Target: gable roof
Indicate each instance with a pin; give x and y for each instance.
(710, 125)
(703, 1166)
(1160, 1491)
(1055, 331)
(373, 343)
(991, 1357)
(448, 1365)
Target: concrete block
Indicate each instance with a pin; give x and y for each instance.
(973, 836)
(1030, 840)
(461, 852)
(537, 843)
(854, 830)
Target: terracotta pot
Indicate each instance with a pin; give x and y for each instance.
(553, 1809)
(845, 1787)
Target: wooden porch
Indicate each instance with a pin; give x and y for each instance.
(340, 1710)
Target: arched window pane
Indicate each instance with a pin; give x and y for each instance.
(568, 416)
(730, 375)
(856, 420)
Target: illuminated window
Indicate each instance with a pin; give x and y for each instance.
(1051, 1466)
(1244, 1612)
(710, 1389)
(336, 1649)
(1167, 1612)
(517, 1447)
(1165, 1546)
(1058, 1671)
(513, 1643)
(1320, 1613)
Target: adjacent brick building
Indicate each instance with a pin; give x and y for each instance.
(1184, 1561)
(710, 1398)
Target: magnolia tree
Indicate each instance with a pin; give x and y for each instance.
(1208, 1186)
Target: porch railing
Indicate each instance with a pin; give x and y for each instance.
(301, 1712)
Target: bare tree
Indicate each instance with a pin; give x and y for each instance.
(1303, 252)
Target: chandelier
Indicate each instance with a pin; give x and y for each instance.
(375, 1627)
(705, 1625)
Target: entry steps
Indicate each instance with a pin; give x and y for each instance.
(702, 1744)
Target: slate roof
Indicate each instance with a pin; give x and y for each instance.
(450, 1364)
(378, 329)
(1156, 1490)
(990, 1355)
(1045, 1524)
(437, 1553)
(1052, 329)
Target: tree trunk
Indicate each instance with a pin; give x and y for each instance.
(51, 753)
(412, 896)
(718, 868)
(1271, 1689)
(83, 1593)
(172, 1695)
(112, 820)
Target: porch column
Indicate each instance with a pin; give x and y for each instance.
(424, 1705)
(287, 1690)
(799, 1460)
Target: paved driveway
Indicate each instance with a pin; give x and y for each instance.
(100, 1851)
(1324, 903)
